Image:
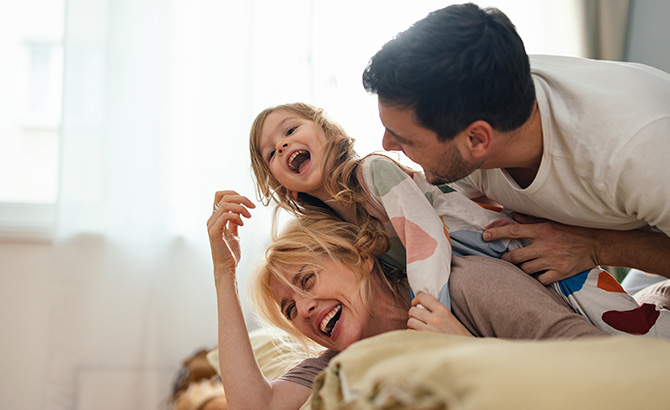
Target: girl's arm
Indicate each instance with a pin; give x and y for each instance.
(415, 222)
(243, 381)
(434, 317)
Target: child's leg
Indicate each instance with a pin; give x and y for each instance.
(657, 294)
(596, 295)
(637, 280)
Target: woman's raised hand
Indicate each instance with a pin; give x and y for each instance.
(433, 316)
(229, 208)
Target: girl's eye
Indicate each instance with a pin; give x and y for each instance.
(290, 310)
(290, 131)
(307, 281)
(271, 155)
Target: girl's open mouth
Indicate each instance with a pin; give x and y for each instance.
(328, 323)
(298, 160)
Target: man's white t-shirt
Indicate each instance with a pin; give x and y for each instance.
(606, 143)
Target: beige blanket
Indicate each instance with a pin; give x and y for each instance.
(421, 370)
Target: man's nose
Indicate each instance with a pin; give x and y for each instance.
(282, 146)
(389, 143)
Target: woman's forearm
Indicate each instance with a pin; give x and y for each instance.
(244, 384)
(243, 381)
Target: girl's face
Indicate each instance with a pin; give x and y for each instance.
(293, 148)
(328, 310)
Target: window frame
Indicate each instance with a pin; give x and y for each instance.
(27, 222)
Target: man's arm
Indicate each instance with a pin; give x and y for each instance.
(563, 250)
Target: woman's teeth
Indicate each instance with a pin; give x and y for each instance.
(325, 328)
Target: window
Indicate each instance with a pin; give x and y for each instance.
(30, 110)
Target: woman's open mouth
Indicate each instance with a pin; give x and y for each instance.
(328, 323)
(298, 160)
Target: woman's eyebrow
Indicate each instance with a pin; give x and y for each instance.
(294, 282)
(296, 277)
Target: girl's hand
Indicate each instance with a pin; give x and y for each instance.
(229, 207)
(433, 316)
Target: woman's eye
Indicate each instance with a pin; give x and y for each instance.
(307, 281)
(290, 310)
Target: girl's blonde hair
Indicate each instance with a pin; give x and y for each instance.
(338, 168)
(312, 241)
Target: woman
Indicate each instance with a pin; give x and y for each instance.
(321, 283)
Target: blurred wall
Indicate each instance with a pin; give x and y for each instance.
(649, 33)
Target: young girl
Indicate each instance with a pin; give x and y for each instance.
(305, 163)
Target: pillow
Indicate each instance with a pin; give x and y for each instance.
(408, 369)
(276, 353)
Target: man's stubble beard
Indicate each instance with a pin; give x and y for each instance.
(456, 168)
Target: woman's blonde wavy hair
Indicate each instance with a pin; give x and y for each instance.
(313, 240)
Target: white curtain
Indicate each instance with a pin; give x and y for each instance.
(606, 25)
(158, 99)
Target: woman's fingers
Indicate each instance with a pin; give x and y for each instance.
(234, 197)
(227, 215)
(224, 240)
(222, 227)
(232, 230)
(230, 202)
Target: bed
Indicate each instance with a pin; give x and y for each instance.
(409, 369)
(421, 370)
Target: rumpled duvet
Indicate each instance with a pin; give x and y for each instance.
(423, 370)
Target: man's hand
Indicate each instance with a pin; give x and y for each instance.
(563, 251)
(559, 251)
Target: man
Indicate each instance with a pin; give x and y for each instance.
(581, 142)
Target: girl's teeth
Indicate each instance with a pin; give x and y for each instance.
(324, 322)
(295, 154)
(297, 160)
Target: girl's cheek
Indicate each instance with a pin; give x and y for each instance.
(271, 170)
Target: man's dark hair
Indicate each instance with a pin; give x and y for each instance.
(458, 65)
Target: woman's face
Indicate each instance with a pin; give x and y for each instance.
(329, 310)
(293, 148)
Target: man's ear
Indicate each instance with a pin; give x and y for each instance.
(479, 138)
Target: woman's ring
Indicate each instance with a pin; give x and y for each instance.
(216, 207)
